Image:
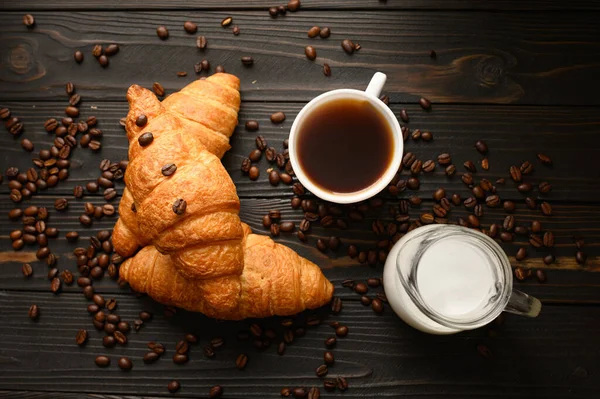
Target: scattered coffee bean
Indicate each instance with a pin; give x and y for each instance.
(348, 46)
(201, 42)
(341, 331)
(314, 32)
(470, 166)
(173, 386)
(162, 32)
(548, 259)
(247, 60)
(103, 61)
(521, 254)
(424, 103)
(544, 159)
(278, 117)
(515, 174)
(253, 173)
(535, 241)
(34, 312)
(546, 209)
(377, 305)
(322, 370)
(536, 226)
(580, 257)
(325, 32)
(215, 392)
(548, 239)
(102, 361)
(28, 20)
(481, 147)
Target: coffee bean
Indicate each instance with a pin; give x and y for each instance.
(34, 312)
(506, 236)
(450, 170)
(424, 103)
(548, 239)
(252, 125)
(287, 227)
(470, 166)
(521, 254)
(520, 274)
(348, 46)
(285, 178)
(515, 173)
(314, 393)
(544, 187)
(125, 364)
(241, 361)
(173, 386)
(580, 257)
(341, 331)
(102, 361)
(169, 169)
(548, 259)
(179, 206)
(277, 117)
(485, 164)
(180, 359)
(4, 113)
(310, 52)
(253, 173)
(215, 392)
(535, 241)
(546, 209)
(524, 187)
(342, 383)
(481, 147)
(158, 89)
(526, 168)
(322, 370)
(28, 20)
(377, 306)
(361, 288)
(293, 5)
(509, 223)
(426, 136)
(416, 167)
(536, 226)
(162, 32)
(439, 194)
(27, 145)
(544, 159)
(247, 60)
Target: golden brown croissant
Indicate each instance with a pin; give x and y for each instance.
(275, 281)
(180, 199)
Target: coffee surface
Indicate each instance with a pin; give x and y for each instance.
(344, 145)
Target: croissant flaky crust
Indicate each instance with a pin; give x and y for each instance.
(200, 256)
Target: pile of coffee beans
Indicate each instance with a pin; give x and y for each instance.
(279, 158)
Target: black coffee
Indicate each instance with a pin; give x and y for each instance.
(344, 145)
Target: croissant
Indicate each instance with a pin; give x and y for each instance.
(275, 281)
(181, 200)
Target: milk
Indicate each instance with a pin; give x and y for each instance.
(455, 277)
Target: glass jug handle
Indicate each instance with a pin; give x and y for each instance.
(522, 304)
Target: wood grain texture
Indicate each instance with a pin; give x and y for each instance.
(568, 135)
(534, 5)
(567, 282)
(380, 357)
(503, 58)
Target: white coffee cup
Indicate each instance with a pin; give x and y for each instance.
(371, 94)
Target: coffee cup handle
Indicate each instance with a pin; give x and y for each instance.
(376, 84)
(522, 304)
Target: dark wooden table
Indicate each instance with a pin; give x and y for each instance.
(520, 75)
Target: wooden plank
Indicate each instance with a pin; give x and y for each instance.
(567, 282)
(513, 134)
(536, 5)
(488, 58)
(381, 356)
